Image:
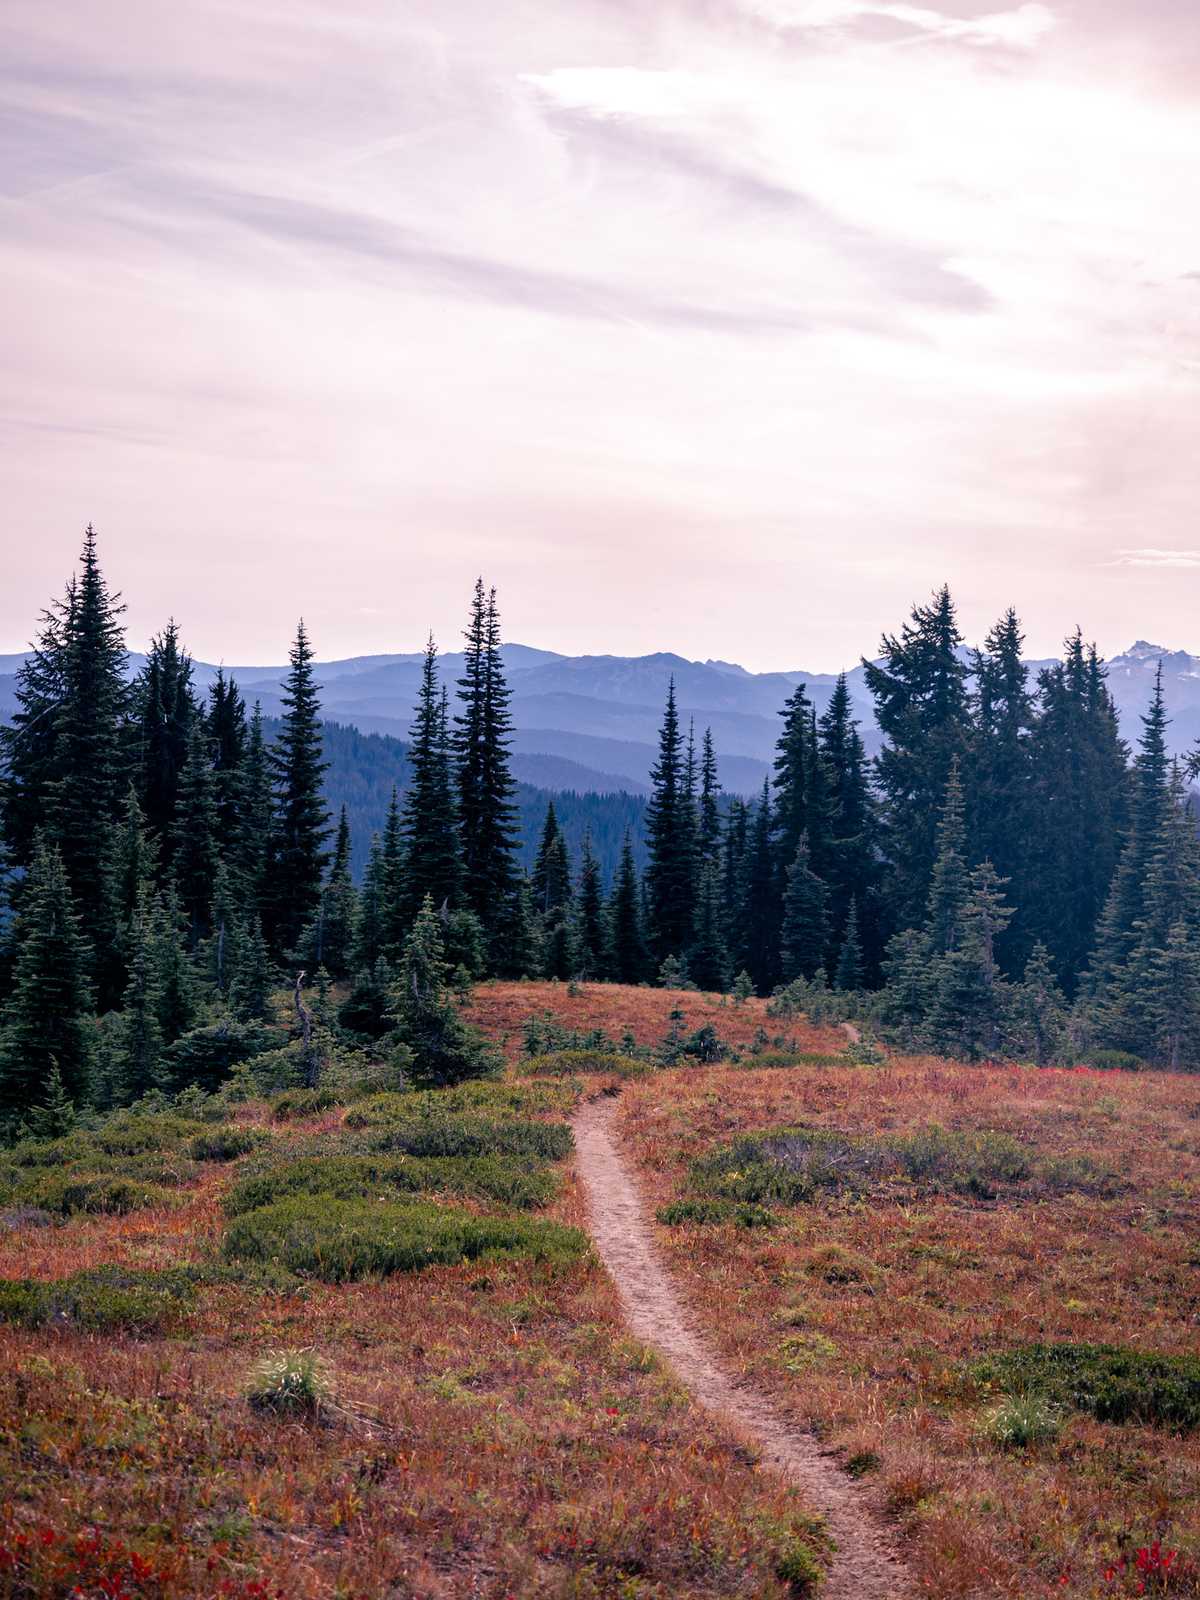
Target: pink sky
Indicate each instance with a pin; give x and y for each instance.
(726, 326)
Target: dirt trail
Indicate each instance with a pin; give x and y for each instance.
(863, 1568)
(851, 1033)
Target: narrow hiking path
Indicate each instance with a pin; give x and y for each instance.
(852, 1033)
(863, 1566)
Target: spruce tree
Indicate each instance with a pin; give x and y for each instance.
(628, 958)
(253, 978)
(228, 736)
(432, 861)
(708, 955)
(759, 953)
(805, 918)
(193, 834)
(999, 770)
(298, 857)
(174, 974)
(394, 926)
(486, 814)
(1039, 1016)
(91, 757)
(733, 874)
(791, 781)
(224, 947)
(708, 816)
(552, 888)
(141, 1065)
(130, 873)
(370, 932)
(30, 740)
(948, 884)
(165, 710)
(670, 837)
(444, 1049)
(1171, 999)
(852, 864)
(255, 814)
(849, 974)
(590, 903)
(328, 940)
(970, 999)
(45, 1024)
(921, 707)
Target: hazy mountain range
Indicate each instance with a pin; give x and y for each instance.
(591, 722)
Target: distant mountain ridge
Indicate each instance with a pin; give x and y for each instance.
(590, 723)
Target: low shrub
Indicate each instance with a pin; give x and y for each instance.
(290, 1383)
(1112, 1383)
(226, 1144)
(341, 1240)
(296, 1103)
(1116, 1061)
(14, 1218)
(800, 1570)
(1021, 1420)
(767, 1059)
(99, 1300)
(66, 1193)
(579, 1063)
(467, 1135)
(351, 1177)
(704, 1212)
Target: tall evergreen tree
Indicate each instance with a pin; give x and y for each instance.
(805, 931)
(370, 928)
(670, 835)
(590, 903)
(432, 861)
(486, 813)
(328, 940)
(395, 926)
(30, 741)
(298, 856)
(948, 882)
(130, 873)
(921, 708)
(759, 954)
(552, 887)
(194, 833)
(255, 813)
(165, 709)
(850, 972)
(91, 773)
(708, 816)
(628, 958)
(852, 868)
(228, 735)
(708, 955)
(733, 875)
(999, 769)
(175, 977)
(141, 1066)
(970, 999)
(45, 1023)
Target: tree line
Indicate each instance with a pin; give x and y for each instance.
(1001, 879)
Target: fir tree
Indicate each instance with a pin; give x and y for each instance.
(444, 1049)
(194, 834)
(970, 999)
(228, 736)
(45, 1023)
(432, 862)
(174, 974)
(628, 958)
(670, 836)
(805, 918)
(1171, 999)
(791, 781)
(999, 771)
(852, 864)
(224, 947)
(166, 709)
(1039, 1009)
(759, 952)
(30, 741)
(298, 856)
(948, 892)
(590, 903)
(708, 817)
(552, 888)
(130, 873)
(486, 814)
(394, 927)
(253, 978)
(733, 874)
(255, 813)
(921, 708)
(370, 924)
(708, 955)
(849, 974)
(141, 1040)
(329, 939)
(92, 768)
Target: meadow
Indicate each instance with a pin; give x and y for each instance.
(356, 1343)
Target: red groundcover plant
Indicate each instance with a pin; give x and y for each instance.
(43, 1563)
(1150, 1571)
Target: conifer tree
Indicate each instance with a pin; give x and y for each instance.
(852, 861)
(298, 856)
(670, 837)
(761, 900)
(193, 834)
(165, 709)
(224, 947)
(394, 928)
(253, 978)
(628, 958)
(91, 759)
(45, 1023)
(849, 974)
(708, 817)
(444, 1049)
(255, 814)
(1170, 998)
(30, 740)
(590, 903)
(791, 782)
(130, 874)
(921, 708)
(708, 956)
(432, 861)
(970, 999)
(174, 974)
(370, 931)
(805, 929)
(1039, 1009)
(328, 940)
(552, 888)
(948, 890)
(999, 770)
(733, 874)
(141, 1042)
(228, 735)
(486, 813)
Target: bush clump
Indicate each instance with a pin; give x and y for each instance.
(1109, 1382)
(341, 1240)
(704, 1212)
(226, 1144)
(468, 1135)
(350, 1177)
(296, 1103)
(67, 1193)
(1021, 1420)
(579, 1063)
(99, 1300)
(290, 1383)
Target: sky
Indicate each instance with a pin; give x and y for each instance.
(729, 327)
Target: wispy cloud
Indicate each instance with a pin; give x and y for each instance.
(1156, 558)
(1022, 28)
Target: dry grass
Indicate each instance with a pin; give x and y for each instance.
(862, 1315)
(495, 1435)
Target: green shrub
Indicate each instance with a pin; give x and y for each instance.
(799, 1568)
(1021, 1420)
(1116, 1061)
(295, 1103)
(350, 1177)
(703, 1212)
(290, 1383)
(134, 1133)
(340, 1240)
(468, 1135)
(226, 1144)
(766, 1059)
(101, 1299)
(206, 1056)
(1109, 1382)
(66, 1193)
(579, 1062)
